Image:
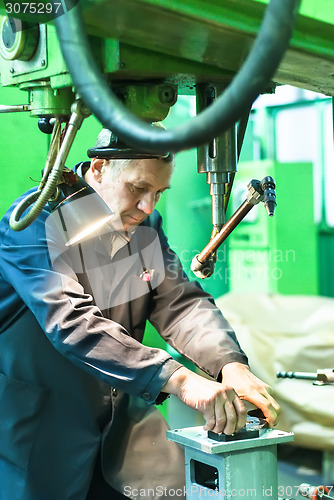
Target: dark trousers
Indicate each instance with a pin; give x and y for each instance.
(100, 489)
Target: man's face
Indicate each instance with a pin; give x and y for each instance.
(133, 194)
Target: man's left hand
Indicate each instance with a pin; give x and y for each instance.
(250, 388)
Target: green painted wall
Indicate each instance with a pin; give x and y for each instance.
(23, 149)
(322, 10)
(275, 254)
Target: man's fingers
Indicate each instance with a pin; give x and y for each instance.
(252, 389)
(235, 413)
(231, 418)
(210, 423)
(221, 415)
(241, 413)
(212, 415)
(270, 408)
(227, 414)
(268, 396)
(219, 403)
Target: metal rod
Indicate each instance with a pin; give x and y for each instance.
(14, 108)
(301, 375)
(225, 231)
(323, 375)
(218, 159)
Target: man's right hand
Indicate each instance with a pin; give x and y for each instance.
(220, 406)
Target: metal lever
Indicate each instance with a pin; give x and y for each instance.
(321, 377)
(15, 108)
(203, 263)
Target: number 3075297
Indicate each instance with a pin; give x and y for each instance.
(32, 8)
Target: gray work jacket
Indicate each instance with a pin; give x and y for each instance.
(76, 384)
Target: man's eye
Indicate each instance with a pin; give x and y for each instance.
(136, 189)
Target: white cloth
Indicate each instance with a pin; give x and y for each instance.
(290, 333)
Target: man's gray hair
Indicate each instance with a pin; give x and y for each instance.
(118, 166)
(105, 138)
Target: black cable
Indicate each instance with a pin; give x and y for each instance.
(242, 131)
(252, 79)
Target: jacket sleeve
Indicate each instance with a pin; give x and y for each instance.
(188, 319)
(71, 321)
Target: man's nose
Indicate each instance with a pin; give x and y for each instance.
(147, 203)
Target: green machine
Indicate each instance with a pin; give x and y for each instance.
(128, 59)
(147, 53)
(83, 63)
(150, 51)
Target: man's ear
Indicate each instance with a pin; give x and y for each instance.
(96, 166)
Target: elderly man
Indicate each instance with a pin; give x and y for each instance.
(78, 388)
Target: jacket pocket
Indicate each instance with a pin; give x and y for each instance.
(20, 408)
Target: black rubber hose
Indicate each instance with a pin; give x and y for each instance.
(252, 79)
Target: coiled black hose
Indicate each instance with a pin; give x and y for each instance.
(252, 79)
